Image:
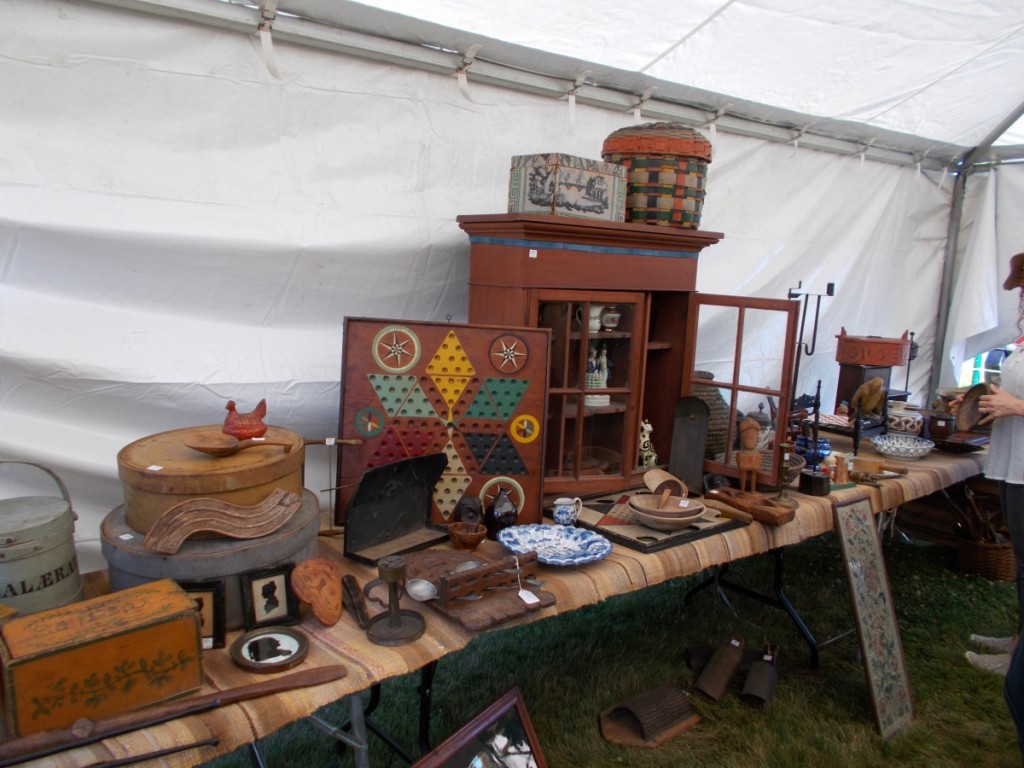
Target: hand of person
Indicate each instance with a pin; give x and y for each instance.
(999, 403)
(954, 404)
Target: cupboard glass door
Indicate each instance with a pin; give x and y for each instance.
(595, 354)
(741, 357)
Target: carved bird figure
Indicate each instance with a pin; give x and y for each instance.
(245, 425)
(868, 398)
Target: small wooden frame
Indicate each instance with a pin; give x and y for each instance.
(268, 598)
(209, 597)
(879, 634)
(272, 649)
(500, 731)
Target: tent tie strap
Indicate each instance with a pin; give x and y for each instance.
(268, 13)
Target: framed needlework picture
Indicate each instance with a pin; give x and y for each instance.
(879, 634)
(500, 735)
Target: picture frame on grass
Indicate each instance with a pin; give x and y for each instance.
(879, 634)
(209, 599)
(268, 598)
(501, 735)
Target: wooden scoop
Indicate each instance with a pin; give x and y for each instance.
(226, 445)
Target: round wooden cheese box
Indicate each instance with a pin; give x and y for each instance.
(222, 559)
(160, 471)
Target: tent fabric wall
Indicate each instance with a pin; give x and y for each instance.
(178, 228)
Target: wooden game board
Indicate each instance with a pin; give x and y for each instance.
(476, 393)
(611, 517)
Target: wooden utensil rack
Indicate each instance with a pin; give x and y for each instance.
(507, 573)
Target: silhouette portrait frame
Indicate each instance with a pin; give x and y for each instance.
(209, 598)
(267, 597)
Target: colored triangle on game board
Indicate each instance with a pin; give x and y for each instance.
(504, 459)
(450, 389)
(392, 390)
(419, 438)
(450, 359)
(482, 407)
(452, 484)
(418, 405)
(389, 448)
(506, 394)
(480, 444)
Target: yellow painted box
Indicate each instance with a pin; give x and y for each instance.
(100, 657)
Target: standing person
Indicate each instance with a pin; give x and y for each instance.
(1005, 463)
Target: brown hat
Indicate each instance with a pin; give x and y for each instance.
(1016, 277)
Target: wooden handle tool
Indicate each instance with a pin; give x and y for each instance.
(726, 511)
(85, 731)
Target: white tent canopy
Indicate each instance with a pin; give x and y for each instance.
(179, 225)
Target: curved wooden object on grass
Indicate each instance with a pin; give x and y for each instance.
(205, 515)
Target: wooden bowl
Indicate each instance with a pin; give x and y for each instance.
(668, 524)
(466, 535)
(650, 504)
(968, 415)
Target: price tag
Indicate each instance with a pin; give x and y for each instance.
(528, 597)
(684, 502)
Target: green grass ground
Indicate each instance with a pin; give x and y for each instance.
(572, 667)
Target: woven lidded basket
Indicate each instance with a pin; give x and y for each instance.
(718, 416)
(666, 166)
(993, 561)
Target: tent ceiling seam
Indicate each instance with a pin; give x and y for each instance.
(832, 135)
(717, 12)
(946, 75)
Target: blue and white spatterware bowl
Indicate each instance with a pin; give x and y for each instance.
(555, 544)
(900, 446)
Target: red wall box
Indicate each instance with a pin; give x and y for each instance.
(872, 350)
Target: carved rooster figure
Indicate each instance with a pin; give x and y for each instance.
(245, 425)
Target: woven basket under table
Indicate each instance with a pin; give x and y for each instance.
(993, 561)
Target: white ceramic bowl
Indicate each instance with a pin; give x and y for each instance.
(903, 447)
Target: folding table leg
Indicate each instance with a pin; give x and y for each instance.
(352, 734)
(778, 600)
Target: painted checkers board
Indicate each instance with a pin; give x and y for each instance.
(474, 393)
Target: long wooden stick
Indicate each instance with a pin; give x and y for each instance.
(136, 759)
(85, 731)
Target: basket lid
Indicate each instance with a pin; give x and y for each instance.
(658, 139)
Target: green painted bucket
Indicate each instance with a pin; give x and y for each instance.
(38, 562)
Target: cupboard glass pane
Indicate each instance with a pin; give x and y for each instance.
(715, 349)
(764, 334)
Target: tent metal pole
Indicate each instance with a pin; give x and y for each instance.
(970, 160)
(945, 292)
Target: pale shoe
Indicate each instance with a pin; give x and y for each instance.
(995, 644)
(997, 663)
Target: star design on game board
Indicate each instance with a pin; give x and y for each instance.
(508, 353)
(524, 428)
(396, 348)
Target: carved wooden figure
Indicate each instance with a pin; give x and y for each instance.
(749, 458)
